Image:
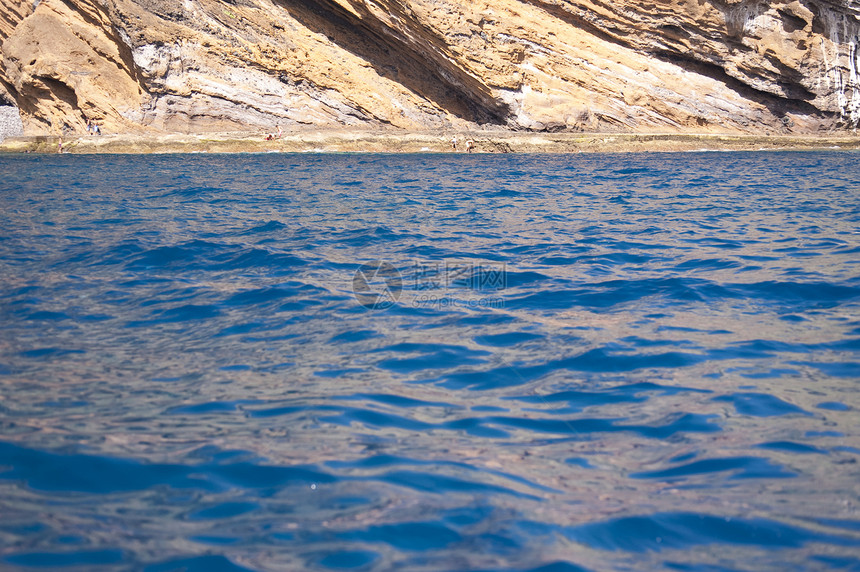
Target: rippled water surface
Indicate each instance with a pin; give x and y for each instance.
(355, 362)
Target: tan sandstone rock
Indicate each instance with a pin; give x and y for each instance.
(242, 65)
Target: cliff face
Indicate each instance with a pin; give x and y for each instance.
(635, 65)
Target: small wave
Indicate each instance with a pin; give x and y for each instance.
(791, 447)
(740, 467)
(760, 405)
(207, 563)
(674, 531)
(267, 227)
(67, 558)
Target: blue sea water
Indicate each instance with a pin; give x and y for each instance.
(427, 362)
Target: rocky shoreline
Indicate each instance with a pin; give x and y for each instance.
(361, 141)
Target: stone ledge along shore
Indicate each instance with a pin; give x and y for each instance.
(359, 141)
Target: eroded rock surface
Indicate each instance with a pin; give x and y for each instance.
(239, 65)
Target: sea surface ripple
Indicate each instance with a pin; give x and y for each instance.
(427, 362)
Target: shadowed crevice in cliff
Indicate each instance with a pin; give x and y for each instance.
(126, 60)
(7, 93)
(12, 13)
(26, 105)
(568, 17)
(424, 73)
(60, 91)
(793, 88)
(672, 43)
(776, 105)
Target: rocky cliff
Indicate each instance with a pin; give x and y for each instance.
(749, 66)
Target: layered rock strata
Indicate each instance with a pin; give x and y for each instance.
(745, 66)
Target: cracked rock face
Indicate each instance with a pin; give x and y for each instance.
(747, 66)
